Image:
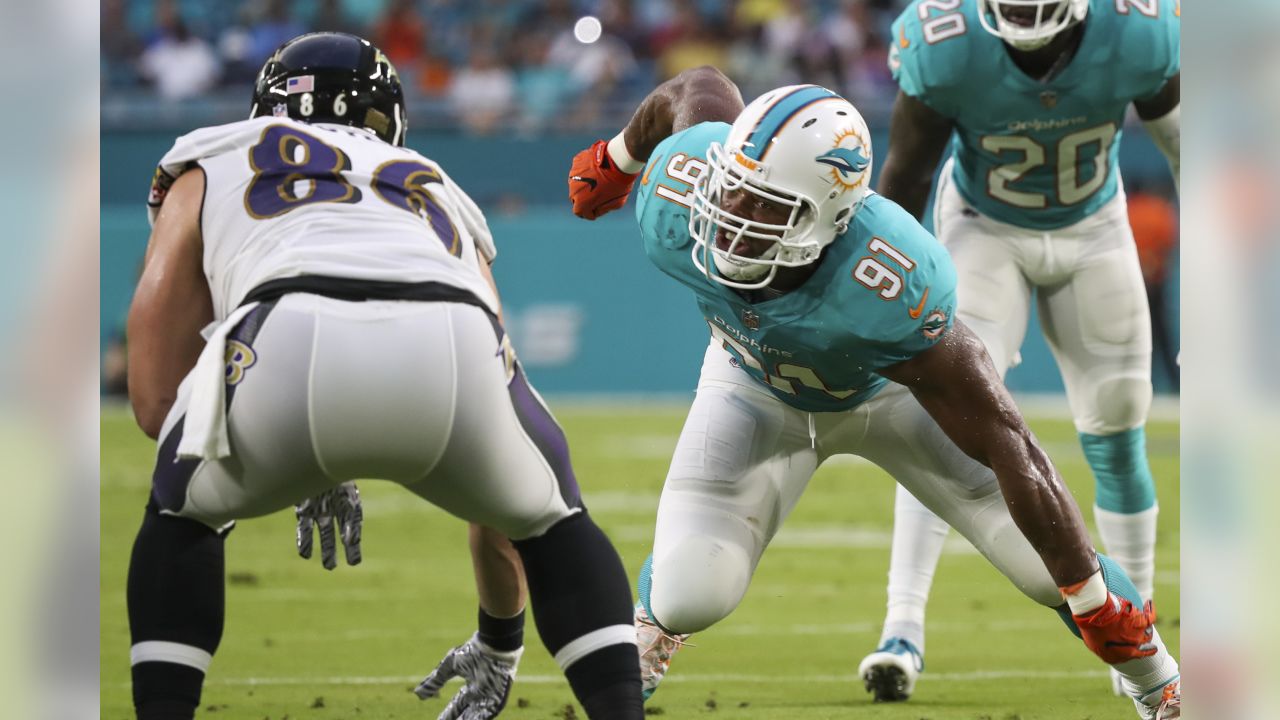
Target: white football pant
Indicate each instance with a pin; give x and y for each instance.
(419, 393)
(743, 459)
(1090, 296)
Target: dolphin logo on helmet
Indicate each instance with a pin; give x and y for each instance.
(846, 161)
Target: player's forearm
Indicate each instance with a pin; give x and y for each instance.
(958, 386)
(149, 412)
(500, 582)
(702, 94)
(164, 344)
(153, 386)
(1043, 508)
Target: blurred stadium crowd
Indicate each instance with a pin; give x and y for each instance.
(494, 66)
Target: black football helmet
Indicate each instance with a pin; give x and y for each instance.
(334, 78)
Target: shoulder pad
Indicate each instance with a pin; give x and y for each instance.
(190, 149)
(1150, 31)
(473, 219)
(924, 308)
(692, 142)
(930, 50)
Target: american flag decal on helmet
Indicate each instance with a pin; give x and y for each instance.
(300, 84)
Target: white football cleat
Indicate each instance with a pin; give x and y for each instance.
(890, 673)
(656, 648)
(1162, 704)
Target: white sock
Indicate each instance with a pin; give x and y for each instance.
(918, 535)
(1130, 540)
(1144, 676)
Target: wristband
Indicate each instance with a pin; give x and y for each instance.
(1086, 596)
(617, 148)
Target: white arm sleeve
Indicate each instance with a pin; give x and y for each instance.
(1166, 132)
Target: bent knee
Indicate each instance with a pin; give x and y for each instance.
(1119, 404)
(698, 583)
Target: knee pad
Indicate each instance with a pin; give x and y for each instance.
(1122, 476)
(698, 583)
(1118, 404)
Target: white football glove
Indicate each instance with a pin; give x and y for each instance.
(339, 506)
(487, 673)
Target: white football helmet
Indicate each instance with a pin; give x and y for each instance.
(1046, 19)
(802, 147)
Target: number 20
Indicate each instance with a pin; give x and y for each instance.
(943, 27)
(1071, 189)
(1150, 8)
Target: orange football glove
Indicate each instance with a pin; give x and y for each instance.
(596, 185)
(1118, 631)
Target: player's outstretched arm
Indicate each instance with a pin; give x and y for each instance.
(601, 177)
(170, 305)
(958, 385)
(918, 135)
(701, 94)
(1162, 117)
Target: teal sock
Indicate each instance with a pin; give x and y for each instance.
(1121, 474)
(644, 583)
(1118, 582)
(1064, 613)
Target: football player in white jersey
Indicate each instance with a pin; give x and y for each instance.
(349, 330)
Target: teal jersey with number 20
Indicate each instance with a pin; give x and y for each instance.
(1039, 155)
(883, 291)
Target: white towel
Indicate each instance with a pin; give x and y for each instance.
(204, 433)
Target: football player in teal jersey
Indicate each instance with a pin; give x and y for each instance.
(1027, 99)
(833, 331)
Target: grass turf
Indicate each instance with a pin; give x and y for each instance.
(305, 644)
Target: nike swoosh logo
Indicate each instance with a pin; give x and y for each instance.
(645, 180)
(587, 180)
(915, 312)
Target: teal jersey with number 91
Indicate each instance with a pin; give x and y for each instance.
(883, 292)
(1035, 154)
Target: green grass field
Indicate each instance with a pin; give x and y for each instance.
(305, 644)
